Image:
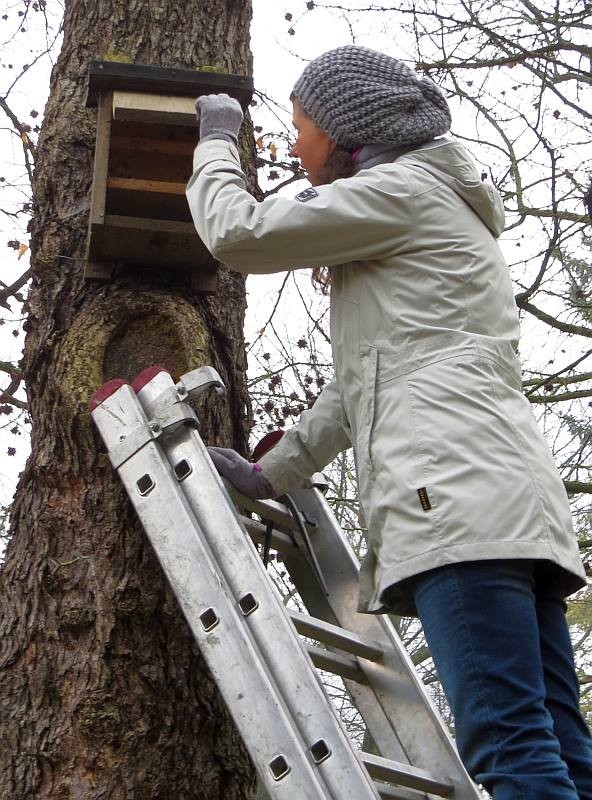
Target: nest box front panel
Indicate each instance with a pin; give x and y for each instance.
(144, 160)
(146, 134)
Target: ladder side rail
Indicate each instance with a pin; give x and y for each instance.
(267, 619)
(259, 712)
(399, 692)
(264, 614)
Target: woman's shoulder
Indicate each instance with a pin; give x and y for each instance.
(400, 178)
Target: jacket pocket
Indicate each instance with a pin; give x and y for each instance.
(369, 362)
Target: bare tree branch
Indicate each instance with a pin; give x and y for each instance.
(577, 487)
(11, 291)
(578, 330)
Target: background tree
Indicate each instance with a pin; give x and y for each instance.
(103, 693)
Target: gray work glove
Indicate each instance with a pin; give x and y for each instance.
(219, 116)
(242, 474)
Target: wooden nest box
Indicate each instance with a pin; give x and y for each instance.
(146, 135)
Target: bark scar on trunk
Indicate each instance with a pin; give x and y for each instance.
(106, 341)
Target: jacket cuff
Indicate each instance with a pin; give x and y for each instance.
(215, 150)
(287, 465)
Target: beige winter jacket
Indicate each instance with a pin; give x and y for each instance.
(427, 387)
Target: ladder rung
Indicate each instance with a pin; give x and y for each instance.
(338, 664)
(404, 775)
(335, 636)
(389, 792)
(268, 510)
(257, 530)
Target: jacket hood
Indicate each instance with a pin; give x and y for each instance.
(449, 162)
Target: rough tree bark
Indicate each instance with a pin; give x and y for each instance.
(103, 693)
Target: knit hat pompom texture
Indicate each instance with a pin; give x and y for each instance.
(359, 96)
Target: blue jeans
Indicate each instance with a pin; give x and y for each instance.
(500, 643)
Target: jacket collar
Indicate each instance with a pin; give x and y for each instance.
(372, 154)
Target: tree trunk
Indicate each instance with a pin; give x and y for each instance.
(103, 693)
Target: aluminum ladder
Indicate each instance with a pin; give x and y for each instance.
(249, 640)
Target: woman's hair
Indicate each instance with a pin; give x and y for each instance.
(321, 279)
(340, 164)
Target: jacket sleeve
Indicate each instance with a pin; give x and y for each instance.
(354, 219)
(310, 445)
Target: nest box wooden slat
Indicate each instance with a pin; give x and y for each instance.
(146, 134)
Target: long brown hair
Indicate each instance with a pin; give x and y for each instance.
(340, 164)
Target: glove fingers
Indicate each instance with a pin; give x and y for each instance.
(222, 462)
(244, 475)
(216, 102)
(220, 117)
(227, 452)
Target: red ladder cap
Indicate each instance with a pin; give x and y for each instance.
(144, 377)
(106, 390)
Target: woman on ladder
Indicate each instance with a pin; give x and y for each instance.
(468, 521)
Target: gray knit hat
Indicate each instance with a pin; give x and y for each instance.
(359, 96)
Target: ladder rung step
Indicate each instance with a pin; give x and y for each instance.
(257, 530)
(338, 664)
(268, 510)
(334, 636)
(404, 775)
(389, 792)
